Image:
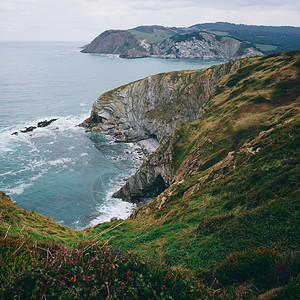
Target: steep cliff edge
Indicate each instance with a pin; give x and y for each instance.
(231, 176)
(156, 105)
(160, 170)
(121, 42)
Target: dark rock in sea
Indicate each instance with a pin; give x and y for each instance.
(113, 219)
(28, 129)
(45, 123)
(39, 124)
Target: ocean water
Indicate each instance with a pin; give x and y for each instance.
(60, 170)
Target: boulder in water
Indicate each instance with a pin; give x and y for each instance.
(28, 129)
(45, 123)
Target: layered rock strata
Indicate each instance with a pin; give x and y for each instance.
(197, 45)
(121, 42)
(204, 46)
(152, 108)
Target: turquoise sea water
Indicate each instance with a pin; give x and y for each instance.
(59, 170)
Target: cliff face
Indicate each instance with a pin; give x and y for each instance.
(255, 92)
(203, 46)
(156, 105)
(118, 42)
(200, 45)
(153, 108)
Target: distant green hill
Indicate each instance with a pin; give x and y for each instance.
(269, 39)
(144, 41)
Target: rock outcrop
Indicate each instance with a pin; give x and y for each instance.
(200, 45)
(122, 42)
(39, 124)
(204, 45)
(153, 108)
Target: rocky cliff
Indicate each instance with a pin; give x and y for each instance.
(241, 108)
(121, 42)
(154, 106)
(200, 45)
(232, 173)
(204, 45)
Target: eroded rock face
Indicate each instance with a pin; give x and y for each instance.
(121, 42)
(200, 45)
(152, 108)
(204, 46)
(152, 178)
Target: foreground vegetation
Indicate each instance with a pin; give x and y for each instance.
(227, 228)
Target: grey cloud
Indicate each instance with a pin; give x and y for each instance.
(38, 19)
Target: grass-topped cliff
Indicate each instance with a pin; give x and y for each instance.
(218, 40)
(229, 217)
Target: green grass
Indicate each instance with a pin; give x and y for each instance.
(245, 188)
(266, 48)
(220, 33)
(152, 38)
(17, 221)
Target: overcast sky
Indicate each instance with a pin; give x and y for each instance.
(82, 20)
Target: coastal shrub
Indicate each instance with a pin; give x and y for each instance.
(210, 225)
(286, 91)
(36, 270)
(241, 74)
(246, 265)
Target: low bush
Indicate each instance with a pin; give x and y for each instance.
(34, 270)
(245, 265)
(265, 266)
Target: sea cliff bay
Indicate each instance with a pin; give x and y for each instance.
(217, 193)
(59, 170)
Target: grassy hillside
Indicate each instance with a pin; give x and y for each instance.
(230, 218)
(18, 221)
(153, 34)
(268, 39)
(237, 168)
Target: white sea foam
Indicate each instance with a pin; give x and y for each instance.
(59, 161)
(112, 207)
(8, 173)
(34, 178)
(18, 190)
(22, 185)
